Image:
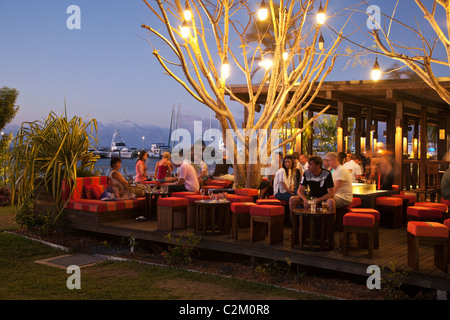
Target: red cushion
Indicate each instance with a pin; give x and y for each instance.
(182, 194)
(440, 206)
(374, 212)
(389, 201)
(195, 197)
(246, 192)
(395, 187)
(267, 210)
(447, 202)
(423, 212)
(236, 198)
(410, 197)
(241, 207)
(272, 202)
(427, 229)
(99, 206)
(359, 219)
(221, 183)
(356, 202)
(172, 202)
(211, 187)
(447, 223)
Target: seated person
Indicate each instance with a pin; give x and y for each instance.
(343, 191)
(445, 185)
(320, 183)
(120, 187)
(221, 170)
(266, 185)
(283, 184)
(202, 171)
(187, 178)
(164, 168)
(141, 167)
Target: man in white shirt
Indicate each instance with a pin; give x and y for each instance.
(343, 192)
(187, 178)
(303, 162)
(353, 168)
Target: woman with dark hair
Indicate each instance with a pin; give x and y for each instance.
(283, 184)
(120, 187)
(141, 167)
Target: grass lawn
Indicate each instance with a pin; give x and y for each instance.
(24, 279)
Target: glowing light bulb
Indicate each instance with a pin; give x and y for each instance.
(266, 64)
(285, 55)
(187, 12)
(225, 69)
(376, 72)
(263, 11)
(321, 15)
(185, 30)
(321, 42)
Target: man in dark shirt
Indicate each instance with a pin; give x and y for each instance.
(320, 183)
(221, 170)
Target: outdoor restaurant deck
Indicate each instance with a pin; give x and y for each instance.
(392, 249)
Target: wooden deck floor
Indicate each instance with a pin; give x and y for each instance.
(392, 247)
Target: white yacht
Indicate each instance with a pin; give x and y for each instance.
(119, 148)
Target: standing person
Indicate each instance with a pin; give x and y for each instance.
(283, 184)
(342, 158)
(343, 191)
(386, 172)
(353, 168)
(141, 167)
(445, 185)
(187, 178)
(164, 168)
(320, 183)
(120, 187)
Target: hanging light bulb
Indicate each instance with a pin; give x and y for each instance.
(266, 63)
(225, 69)
(321, 15)
(187, 12)
(185, 30)
(285, 55)
(263, 11)
(376, 72)
(321, 42)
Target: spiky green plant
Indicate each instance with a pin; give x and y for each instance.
(46, 153)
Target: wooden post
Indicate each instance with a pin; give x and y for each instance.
(398, 178)
(340, 127)
(423, 148)
(368, 128)
(299, 139)
(443, 144)
(358, 134)
(311, 137)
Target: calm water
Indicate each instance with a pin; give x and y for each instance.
(128, 166)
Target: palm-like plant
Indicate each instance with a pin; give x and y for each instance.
(47, 153)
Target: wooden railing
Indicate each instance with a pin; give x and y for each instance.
(433, 171)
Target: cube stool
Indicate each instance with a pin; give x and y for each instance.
(411, 198)
(221, 183)
(240, 217)
(362, 241)
(190, 214)
(358, 223)
(441, 206)
(419, 213)
(391, 210)
(267, 219)
(247, 192)
(237, 198)
(282, 202)
(271, 202)
(172, 213)
(182, 194)
(430, 233)
(340, 213)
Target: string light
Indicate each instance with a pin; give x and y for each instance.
(321, 42)
(376, 72)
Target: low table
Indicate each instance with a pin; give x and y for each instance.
(431, 192)
(312, 230)
(212, 217)
(151, 203)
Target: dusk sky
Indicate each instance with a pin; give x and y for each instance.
(106, 69)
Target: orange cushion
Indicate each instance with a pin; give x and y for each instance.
(172, 202)
(246, 192)
(359, 219)
(273, 202)
(182, 194)
(356, 202)
(447, 223)
(447, 202)
(373, 212)
(424, 212)
(241, 207)
(427, 229)
(236, 198)
(389, 201)
(94, 191)
(267, 210)
(440, 206)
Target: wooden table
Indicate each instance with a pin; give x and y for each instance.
(433, 193)
(151, 203)
(317, 227)
(212, 217)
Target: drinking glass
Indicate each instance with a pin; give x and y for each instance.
(210, 193)
(202, 192)
(312, 204)
(324, 207)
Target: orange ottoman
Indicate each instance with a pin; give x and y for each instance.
(172, 213)
(271, 202)
(247, 192)
(419, 213)
(411, 198)
(430, 233)
(362, 242)
(190, 214)
(440, 206)
(358, 223)
(267, 219)
(236, 198)
(391, 210)
(240, 216)
(340, 213)
(282, 202)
